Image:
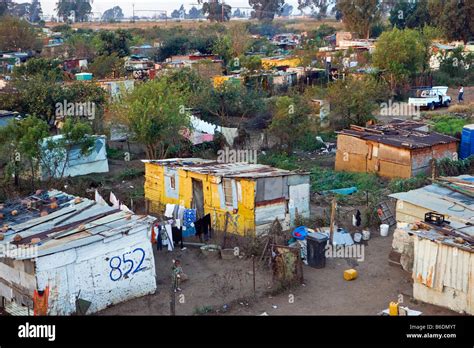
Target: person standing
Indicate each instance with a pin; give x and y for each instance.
(177, 275)
(461, 94)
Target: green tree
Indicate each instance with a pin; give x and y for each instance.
(454, 17)
(320, 5)
(400, 54)
(155, 113)
(290, 120)
(17, 35)
(266, 9)
(24, 140)
(113, 14)
(55, 153)
(109, 42)
(230, 100)
(80, 8)
(107, 66)
(360, 16)
(216, 11)
(406, 14)
(353, 101)
(49, 69)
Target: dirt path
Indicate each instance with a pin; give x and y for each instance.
(214, 283)
(327, 293)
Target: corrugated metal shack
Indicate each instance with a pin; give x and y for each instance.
(399, 149)
(441, 258)
(253, 194)
(87, 255)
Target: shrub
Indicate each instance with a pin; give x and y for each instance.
(448, 124)
(403, 185)
(449, 167)
(278, 160)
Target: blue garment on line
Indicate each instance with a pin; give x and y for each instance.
(189, 217)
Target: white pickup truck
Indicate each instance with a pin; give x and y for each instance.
(431, 97)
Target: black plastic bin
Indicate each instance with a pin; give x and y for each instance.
(316, 249)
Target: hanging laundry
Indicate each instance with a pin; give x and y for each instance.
(203, 226)
(115, 202)
(169, 235)
(189, 217)
(124, 208)
(40, 302)
(169, 210)
(177, 236)
(189, 231)
(153, 234)
(99, 199)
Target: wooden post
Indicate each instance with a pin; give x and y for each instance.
(433, 169)
(253, 270)
(172, 300)
(333, 218)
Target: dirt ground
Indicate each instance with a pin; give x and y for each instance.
(214, 283)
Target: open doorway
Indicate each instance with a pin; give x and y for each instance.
(198, 198)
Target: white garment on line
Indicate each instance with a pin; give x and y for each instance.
(169, 232)
(169, 210)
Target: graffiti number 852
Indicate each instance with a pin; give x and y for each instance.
(116, 263)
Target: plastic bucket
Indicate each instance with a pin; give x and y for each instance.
(365, 235)
(357, 237)
(384, 230)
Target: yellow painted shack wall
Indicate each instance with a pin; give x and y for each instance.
(241, 222)
(269, 63)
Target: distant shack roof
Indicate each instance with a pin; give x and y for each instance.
(402, 134)
(234, 170)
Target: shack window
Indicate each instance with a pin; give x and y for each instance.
(227, 186)
(172, 182)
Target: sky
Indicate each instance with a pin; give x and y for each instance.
(48, 6)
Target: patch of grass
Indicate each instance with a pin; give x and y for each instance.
(323, 179)
(448, 124)
(130, 173)
(449, 167)
(403, 185)
(115, 154)
(308, 142)
(279, 160)
(202, 310)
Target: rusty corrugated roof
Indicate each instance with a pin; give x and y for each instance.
(403, 134)
(236, 170)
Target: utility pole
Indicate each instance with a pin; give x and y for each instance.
(222, 7)
(133, 13)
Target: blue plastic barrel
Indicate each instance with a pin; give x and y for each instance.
(467, 141)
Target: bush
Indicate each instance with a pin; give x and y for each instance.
(130, 173)
(279, 160)
(403, 185)
(327, 179)
(449, 167)
(448, 124)
(308, 142)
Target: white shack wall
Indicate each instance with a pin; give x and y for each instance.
(443, 275)
(101, 273)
